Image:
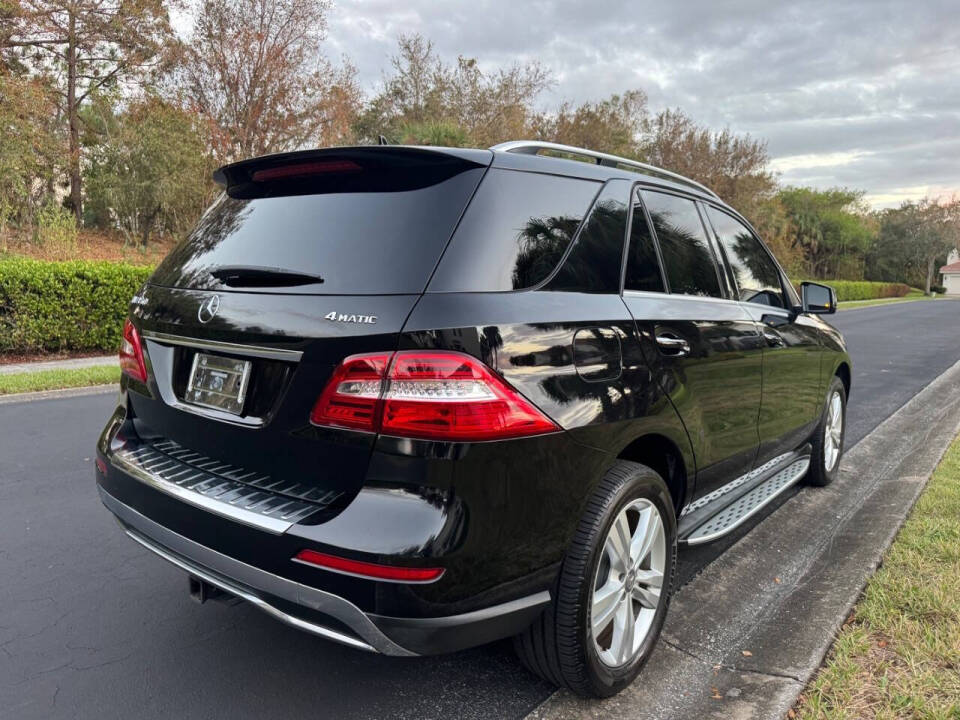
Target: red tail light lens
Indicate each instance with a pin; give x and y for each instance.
(351, 398)
(374, 571)
(452, 396)
(436, 395)
(131, 353)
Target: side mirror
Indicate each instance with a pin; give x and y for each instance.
(818, 299)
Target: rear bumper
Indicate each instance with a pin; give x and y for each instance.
(322, 613)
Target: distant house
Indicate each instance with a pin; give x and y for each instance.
(951, 273)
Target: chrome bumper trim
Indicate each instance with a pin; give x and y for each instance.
(242, 495)
(225, 347)
(244, 580)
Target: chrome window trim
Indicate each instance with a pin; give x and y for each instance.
(683, 296)
(225, 347)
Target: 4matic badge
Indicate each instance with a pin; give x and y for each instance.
(334, 316)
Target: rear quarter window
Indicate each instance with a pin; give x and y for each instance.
(515, 231)
(593, 264)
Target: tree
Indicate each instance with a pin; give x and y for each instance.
(29, 146)
(614, 125)
(914, 239)
(831, 228)
(151, 170)
(254, 69)
(736, 167)
(460, 99)
(82, 46)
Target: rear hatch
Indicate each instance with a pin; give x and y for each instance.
(305, 259)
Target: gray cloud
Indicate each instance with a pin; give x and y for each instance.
(863, 93)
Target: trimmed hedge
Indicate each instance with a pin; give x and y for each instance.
(77, 305)
(863, 289)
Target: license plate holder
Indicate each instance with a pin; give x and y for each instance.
(218, 382)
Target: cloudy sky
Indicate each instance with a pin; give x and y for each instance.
(864, 94)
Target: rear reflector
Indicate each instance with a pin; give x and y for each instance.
(308, 168)
(373, 571)
(131, 353)
(431, 395)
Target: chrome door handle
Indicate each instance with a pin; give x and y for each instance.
(672, 345)
(774, 339)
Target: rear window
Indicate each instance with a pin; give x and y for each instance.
(515, 231)
(379, 232)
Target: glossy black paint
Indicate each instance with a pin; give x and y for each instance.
(498, 516)
(716, 387)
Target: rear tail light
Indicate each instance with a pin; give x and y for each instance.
(131, 353)
(373, 571)
(432, 395)
(351, 398)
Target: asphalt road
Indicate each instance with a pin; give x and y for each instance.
(92, 626)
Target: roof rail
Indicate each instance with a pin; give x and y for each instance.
(533, 147)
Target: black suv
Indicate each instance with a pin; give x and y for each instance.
(418, 399)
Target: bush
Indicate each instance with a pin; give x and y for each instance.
(78, 305)
(938, 289)
(56, 228)
(864, 290)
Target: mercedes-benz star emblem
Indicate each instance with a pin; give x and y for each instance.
(208, 308)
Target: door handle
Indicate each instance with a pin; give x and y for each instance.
(773, 338)
(672, 345)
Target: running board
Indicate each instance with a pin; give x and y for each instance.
(729, 510)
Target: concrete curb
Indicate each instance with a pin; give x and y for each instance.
(56, 394)
(16, 368)
(783, 590)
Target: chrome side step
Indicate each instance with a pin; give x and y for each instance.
(739, 510)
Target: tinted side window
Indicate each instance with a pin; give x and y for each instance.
(757, 277)
(593, 264)
(514, 232)
(643, 267)
(688, 260)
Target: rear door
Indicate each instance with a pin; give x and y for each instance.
(305, 259)
(706, 350)
(792, 346)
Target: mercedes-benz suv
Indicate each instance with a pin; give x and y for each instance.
(418, 399)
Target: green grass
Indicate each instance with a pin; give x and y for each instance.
(898, 656)
(57, 379)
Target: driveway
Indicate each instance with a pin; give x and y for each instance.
(91, 626)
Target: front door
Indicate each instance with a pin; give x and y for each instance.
(792, 348)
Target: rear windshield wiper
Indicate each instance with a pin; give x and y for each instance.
(252, 276)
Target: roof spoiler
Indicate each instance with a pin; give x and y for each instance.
(316, 168)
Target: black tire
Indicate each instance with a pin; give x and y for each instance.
(559, 646)
(819, 474)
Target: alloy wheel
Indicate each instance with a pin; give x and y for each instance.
(833, 432)
(628, 583)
